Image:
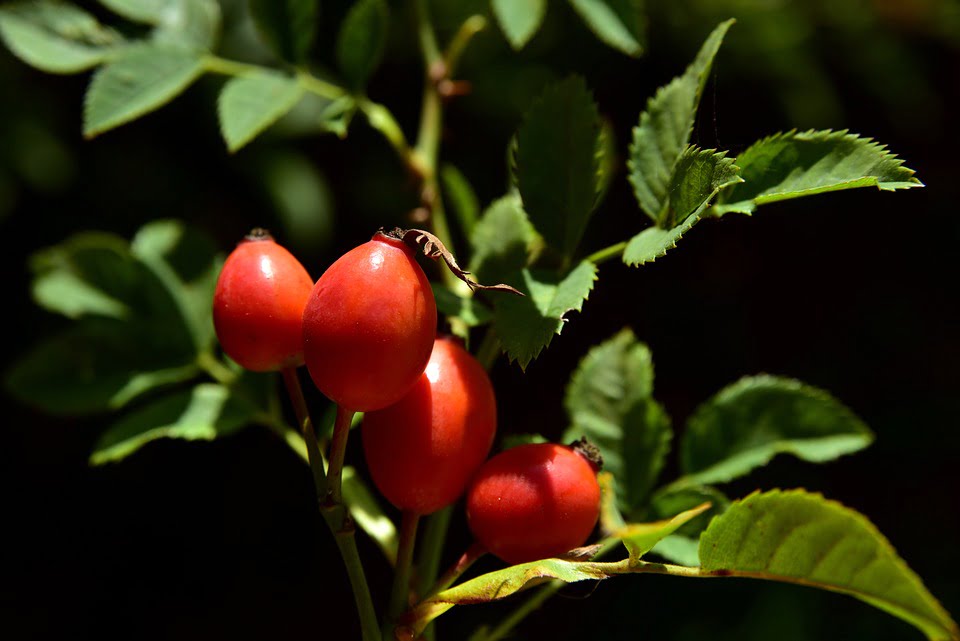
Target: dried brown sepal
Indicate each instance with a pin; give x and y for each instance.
(589, 451)
(431, 247)
(584, 553)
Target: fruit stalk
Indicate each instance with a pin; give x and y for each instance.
(400, 593)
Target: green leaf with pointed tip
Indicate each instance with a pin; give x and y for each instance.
(557, 162)
(100, 364)
(144, 79)
(609, 401)
(502, 240)
(664, 130)
(798, 537)
(640, 538)
(462, 198)
(527, 324)
(206, 412)
(654, 242)
(366, 511)
(519, 19)
(796, 164)
(55, 37)
(288, 27)
(250, 104)
(681, 546)
(748, 423)
(698, 176)
(618, 23)
(361, 40)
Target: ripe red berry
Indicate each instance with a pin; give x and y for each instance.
(369, 325)
(422, 450)
(258, 304)
(533, 502)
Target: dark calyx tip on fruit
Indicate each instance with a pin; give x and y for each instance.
(396, 233)
(258, 233)
(589, 451)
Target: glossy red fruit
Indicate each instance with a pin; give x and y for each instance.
(369, 325)
(422, 450)
(533, 502)
(258, 304)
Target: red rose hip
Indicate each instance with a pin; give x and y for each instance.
(422, 450)
(369, 325)
(533, 502)
(258, 304)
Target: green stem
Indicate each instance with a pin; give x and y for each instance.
(338, 452)
(468, 558)
(431, 547)
(319, 87)
(216, 369)
(470, 27)
(400, 593)
(489, 349)
(344, 532)
(216, 64)
(381, 119)
(605, 254)
(314, 456)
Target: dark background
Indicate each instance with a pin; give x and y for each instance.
(855, 292)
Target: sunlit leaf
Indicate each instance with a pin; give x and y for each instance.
(519, 19)
(618, 23)
(250, 104)
(799, 537)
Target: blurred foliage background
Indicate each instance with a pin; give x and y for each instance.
(855, 292)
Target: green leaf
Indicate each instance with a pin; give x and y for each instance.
(469, 310)
(366, 511)
(97, 365)
(698, 176)
(796, 164)
(664, 130)
(144, 79)
(654, 242)
(502, 241)
(147, 11)
(287, 26)
(462, 198)
(361, 40)
(558, 164)
(188, 264)
(682, 546)
(204, 413)
(640, 538)
(748, 423)
(250, 104)
(193, 25)
(609, 401)
(55, 37)
(618, 23)
(802, 538)
(519, 19)
(527, 324)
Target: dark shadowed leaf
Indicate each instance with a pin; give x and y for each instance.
(502, 241)
(287, 26)
(361, 40)
(557, 162)
(748, 423)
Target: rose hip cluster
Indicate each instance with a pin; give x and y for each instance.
(366, 331)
